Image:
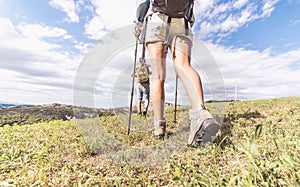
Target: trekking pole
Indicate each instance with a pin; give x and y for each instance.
(132, 87)
(176, 85)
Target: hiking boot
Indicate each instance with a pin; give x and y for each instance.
(159, 129)
(203, 127)
(145, 113)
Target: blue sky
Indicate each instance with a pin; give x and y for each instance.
(279, 31)
(256, 45)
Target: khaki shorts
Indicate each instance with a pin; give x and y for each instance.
(143, 90)
(156, 29)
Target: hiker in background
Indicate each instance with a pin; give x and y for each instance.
(142, 73)
(167, 25)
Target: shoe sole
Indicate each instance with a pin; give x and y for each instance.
(159, 131)
(159, 137)
(207, 132)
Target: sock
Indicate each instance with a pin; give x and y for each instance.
(158, 110)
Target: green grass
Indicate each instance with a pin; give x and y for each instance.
(258, 145)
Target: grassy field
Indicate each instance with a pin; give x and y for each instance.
(258, 145)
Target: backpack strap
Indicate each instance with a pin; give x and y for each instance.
(167, 34)
(188, 18)
(190, 12)
(186, 27)
(143, 37)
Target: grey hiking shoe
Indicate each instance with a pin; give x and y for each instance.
(159, 129)
(203, 127)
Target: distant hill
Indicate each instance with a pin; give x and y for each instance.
(28, 114)
(11, 114)
(7, 104)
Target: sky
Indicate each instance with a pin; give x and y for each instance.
(43, 43)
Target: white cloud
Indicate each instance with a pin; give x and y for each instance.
(67, 6)
(83, 47)
(7, 30)
(294, 22)
(33, 68)
(217, 20)
(28, 37)
(15, 87)
(259, 75)
(108, 16)
(203, 6)
(268, 7)
(239, 3)
(41, 31)
(95, 28)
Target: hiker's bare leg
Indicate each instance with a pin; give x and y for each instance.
(158, 66)
(189, 77)
(146, 105)
(139, 106)
(203, 126)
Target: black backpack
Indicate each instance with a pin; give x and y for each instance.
(174, 8)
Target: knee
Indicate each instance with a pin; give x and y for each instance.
(158, 71)
(182, 62)
(181, 68)
(155, 49)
